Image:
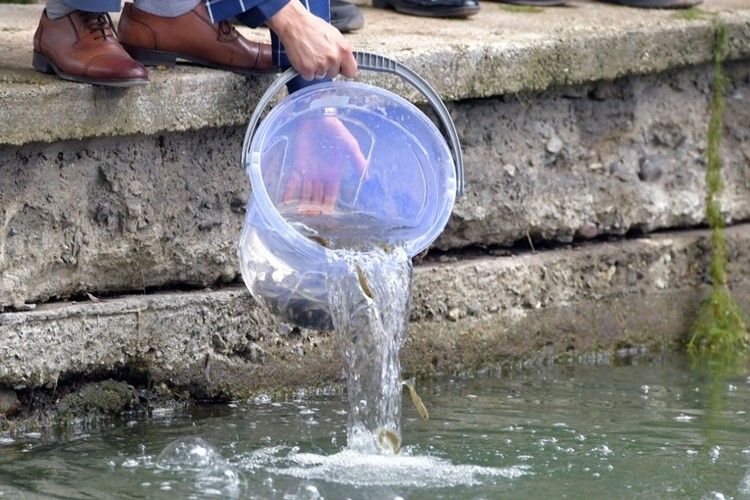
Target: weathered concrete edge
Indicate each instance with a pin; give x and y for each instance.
(41, 112)
(467, 315)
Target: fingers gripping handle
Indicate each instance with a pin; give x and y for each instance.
(378, 63)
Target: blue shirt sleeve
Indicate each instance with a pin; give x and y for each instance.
(252, 13)
(258, 15)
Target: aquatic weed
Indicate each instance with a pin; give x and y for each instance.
(719, 327)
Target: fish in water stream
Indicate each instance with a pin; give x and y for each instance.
(363, 282)
(320, 240)
(417, 401)
(388, 440)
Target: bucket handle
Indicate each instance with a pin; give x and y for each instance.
(374, 62)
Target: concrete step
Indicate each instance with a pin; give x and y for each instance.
(588, 302)
(499, 52)
(577, 124)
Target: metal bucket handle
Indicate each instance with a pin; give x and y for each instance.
(374, 62)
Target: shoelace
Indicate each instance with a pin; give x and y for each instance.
(99, 21)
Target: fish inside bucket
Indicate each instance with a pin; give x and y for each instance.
(338, 166)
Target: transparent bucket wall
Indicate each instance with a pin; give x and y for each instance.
(345, 168)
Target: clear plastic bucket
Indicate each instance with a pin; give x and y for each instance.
(340, 165)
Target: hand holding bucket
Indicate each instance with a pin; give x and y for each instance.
(344, 163)
(315, 179)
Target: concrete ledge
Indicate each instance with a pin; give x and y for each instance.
(480, 312)
(576, 123)
(498, 52)
(139, 212)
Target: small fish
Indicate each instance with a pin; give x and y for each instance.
(386, 247)
(417, 401)
(320, 240)
(388, 440)
(363, 282)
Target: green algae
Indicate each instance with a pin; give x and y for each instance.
(109, 397)
(692, 14)
(527, 9)
(719, 329)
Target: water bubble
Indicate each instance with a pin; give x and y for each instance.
(744, 488)
(714, 453)
(188, 453)
(195, 456)
(262, 399)
(602, 450)
(684, 418)
(717, 495)
(304, 491)
(130, 463)
(222, 478)
(162, 412)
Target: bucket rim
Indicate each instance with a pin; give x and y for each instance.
(412, 246)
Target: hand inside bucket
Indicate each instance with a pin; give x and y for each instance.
(321, 150)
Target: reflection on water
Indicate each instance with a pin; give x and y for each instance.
(642, 431)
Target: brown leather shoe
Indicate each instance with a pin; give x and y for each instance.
(83, 47)
(156, 40)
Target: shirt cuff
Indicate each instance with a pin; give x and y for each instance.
(261, 12)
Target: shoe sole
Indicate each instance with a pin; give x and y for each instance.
(149, 57)
(45, 65)
(656, 4)
(535, 3)
(461, 12)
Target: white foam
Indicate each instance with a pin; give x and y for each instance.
(358, 469)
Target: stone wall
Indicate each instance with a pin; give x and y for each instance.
(143, 212)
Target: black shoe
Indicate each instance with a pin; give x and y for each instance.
(657, 4)
(431, 8)
(346, 16)
(535, 3)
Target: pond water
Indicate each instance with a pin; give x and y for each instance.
(656, 429)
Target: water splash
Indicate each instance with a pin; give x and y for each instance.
(359, 469)
(369, 294)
